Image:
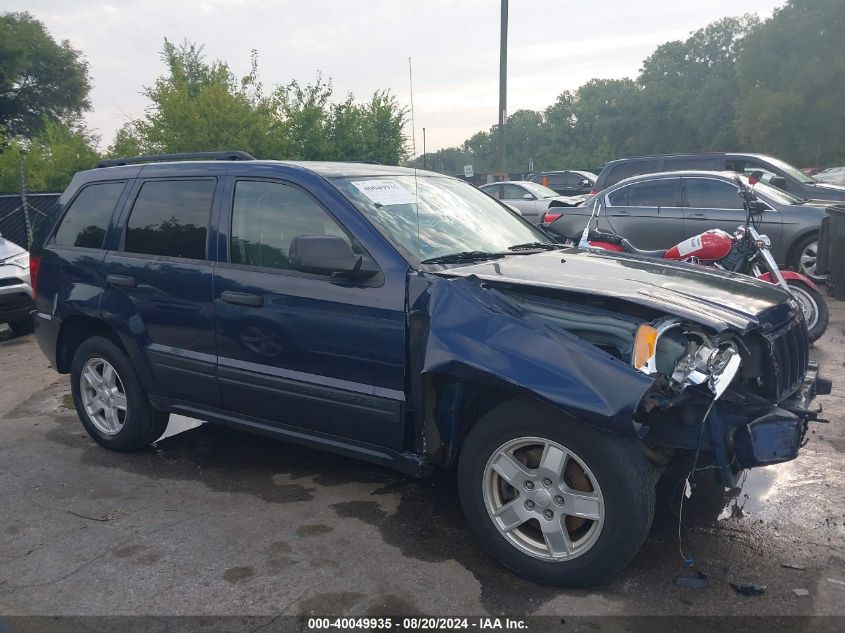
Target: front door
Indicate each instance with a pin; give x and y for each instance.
(302, 349)
(715, 204)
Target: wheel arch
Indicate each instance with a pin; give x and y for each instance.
(456, 405)
(76, 329)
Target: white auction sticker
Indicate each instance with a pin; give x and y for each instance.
(689, 246)
(385, 192)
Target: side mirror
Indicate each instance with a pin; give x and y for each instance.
(757, 207)
(778, 181)
(527, 196)
(327, 255)
(586, 183)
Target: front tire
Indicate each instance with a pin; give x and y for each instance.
(554, 500)
(813, 306)
(109, 398)
(804, 258)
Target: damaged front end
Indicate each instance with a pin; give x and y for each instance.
(740, 399)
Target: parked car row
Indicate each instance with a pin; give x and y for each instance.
(658, 210)
(406, 318)
(645, 205)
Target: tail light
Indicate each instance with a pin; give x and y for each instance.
(551, 216)
(34, 265)
(594, 192)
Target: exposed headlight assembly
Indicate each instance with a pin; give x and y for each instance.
(714, 364)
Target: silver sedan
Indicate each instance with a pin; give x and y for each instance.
(532, 199)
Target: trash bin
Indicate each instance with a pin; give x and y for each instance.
(835, 260)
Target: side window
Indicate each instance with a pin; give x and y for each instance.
(619, 198)
(495, 191)
(572, 179)
(512, 192)
(654, 193)
(705, 193)
(626, 170)
(692, 162)
(266, 216)
(170, 217)
(86, 221)
(556, 180)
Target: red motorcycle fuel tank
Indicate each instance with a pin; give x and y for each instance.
(709, 246)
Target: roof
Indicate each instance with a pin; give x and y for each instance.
(727, 175)
(327, 169)
(687, 154)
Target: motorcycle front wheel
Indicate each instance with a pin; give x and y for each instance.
(813, 306)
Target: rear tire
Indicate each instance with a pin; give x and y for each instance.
(619, 493)
(814, 307)
(135, 423)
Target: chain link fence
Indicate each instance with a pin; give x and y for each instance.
(20, 216)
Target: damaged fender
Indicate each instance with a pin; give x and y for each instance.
(462, 329)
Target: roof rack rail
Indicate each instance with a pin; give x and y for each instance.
(156, 158)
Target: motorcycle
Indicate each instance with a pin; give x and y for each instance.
(747, 252)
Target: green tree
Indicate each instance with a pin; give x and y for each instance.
(40, 80)
(50, 159)
(383, 122)
(792, 71)
(202, 106)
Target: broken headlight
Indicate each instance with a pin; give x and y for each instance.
(697, 363)
(716, 365)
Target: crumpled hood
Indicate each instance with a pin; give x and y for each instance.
(713, 298)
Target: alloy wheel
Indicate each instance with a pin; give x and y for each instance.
(103, 396)
(543, 498)
(807, 262)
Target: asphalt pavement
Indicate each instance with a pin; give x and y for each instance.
(213, 521)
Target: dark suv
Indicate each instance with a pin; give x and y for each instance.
(408, 319)
(768, 169)
(568, 182)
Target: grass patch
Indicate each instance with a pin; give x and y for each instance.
(67, 401)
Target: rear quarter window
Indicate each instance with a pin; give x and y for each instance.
(87, 218)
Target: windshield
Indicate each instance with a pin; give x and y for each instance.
(539, 190)
(791, 171)
(454, 216)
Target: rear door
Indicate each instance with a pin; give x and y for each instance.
(159, 284)
(647, 213)
(302, 349)
(531, 208)
(712, 203)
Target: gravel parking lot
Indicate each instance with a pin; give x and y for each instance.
(213, 521)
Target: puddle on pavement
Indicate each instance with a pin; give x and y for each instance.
(179, 424)
(756, 496)
(752, 496)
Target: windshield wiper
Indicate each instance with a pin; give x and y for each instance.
(463, 256)
(534, 246)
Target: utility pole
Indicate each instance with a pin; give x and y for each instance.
(503, 89)
(425, 160)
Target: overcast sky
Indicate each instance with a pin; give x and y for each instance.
(363, 46)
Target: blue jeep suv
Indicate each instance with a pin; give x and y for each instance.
(406, 318)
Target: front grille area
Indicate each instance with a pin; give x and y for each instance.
(788, 357)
